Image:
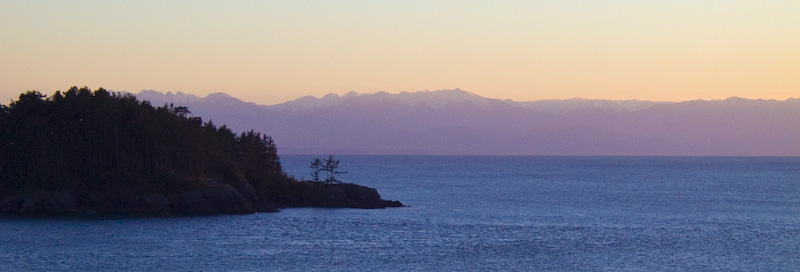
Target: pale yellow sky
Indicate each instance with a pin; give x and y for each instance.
(273, 51)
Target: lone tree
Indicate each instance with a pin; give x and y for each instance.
(316, 166)
(328, 165)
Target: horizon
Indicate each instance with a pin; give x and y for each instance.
(467, 91)
(271, 52)
(48, 94)
(457, 89)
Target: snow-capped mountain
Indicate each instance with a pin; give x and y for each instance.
(459, 122)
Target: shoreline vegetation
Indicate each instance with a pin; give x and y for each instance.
(86, 152)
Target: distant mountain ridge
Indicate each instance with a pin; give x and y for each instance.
(457, 122)
(441, 98)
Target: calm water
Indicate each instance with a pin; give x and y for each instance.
(466, 213)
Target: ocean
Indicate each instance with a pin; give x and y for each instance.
(465, 213)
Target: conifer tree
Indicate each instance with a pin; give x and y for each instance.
(330, 166)
(316, 166)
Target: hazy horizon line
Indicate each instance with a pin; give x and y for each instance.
(348, 93)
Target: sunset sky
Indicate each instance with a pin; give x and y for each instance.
(273, 51)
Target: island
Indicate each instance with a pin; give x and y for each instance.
(85, 152)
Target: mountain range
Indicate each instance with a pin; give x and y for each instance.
(457, 122)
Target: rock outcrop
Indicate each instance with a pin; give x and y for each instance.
(345, 195)
(212, 198)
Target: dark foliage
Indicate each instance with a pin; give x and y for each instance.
(328, 165)
(83, 141)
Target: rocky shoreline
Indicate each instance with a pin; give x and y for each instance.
(212, 199)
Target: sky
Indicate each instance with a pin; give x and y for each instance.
(269, 52)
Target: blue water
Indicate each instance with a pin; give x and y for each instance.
(466, 213)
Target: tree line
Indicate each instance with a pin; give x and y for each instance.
(81, 140)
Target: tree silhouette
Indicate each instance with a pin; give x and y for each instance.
(83, 140)
(330, 165)
(316, 166)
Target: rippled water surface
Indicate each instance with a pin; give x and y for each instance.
(466, 213)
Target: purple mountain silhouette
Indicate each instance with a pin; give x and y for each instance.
(456, 122)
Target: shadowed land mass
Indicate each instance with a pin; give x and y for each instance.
(99, 152)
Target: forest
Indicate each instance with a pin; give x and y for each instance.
(85, 151)
(82, 141)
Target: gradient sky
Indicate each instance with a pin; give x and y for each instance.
(273, 51)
